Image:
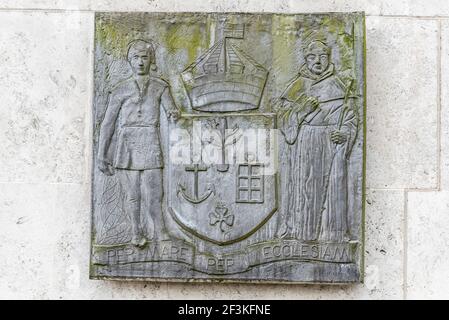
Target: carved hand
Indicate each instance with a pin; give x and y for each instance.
(338, 137)
(312, 103)
(306, 104)
(277, 104)
(105, 168)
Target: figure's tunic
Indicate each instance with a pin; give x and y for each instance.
(317, 168)
(133, 113)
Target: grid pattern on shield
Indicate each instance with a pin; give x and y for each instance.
(250, 186)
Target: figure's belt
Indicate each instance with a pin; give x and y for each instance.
(331, 99)
(339, 98)
(319, 125)
(142, 126)
(324, 100)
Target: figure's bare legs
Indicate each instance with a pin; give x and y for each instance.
(131, 180)
(152, 188)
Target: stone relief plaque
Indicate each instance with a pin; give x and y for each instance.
(228, 147)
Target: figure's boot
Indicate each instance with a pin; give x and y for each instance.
(138, 240)
(135, 240)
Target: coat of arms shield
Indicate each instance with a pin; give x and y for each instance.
(212, 196)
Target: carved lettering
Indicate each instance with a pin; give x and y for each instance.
(298, 250)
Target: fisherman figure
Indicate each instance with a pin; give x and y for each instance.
(133, 115)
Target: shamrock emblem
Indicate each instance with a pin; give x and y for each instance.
(221, 217)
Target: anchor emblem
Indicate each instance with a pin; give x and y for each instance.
(210, 189)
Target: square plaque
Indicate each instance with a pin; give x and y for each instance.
(228, 147)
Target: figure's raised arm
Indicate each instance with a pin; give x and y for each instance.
(292, 115)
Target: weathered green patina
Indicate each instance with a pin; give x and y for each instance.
(229, 147)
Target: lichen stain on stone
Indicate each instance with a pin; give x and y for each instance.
(284, 39)
(188, 37)
(344, 41)
(112, 39)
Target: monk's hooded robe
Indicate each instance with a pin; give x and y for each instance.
(316, 180)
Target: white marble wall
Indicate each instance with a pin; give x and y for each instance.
(45, 99)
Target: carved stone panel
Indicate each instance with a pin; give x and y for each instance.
(228, 147)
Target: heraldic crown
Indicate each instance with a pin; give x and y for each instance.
(225, 78)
